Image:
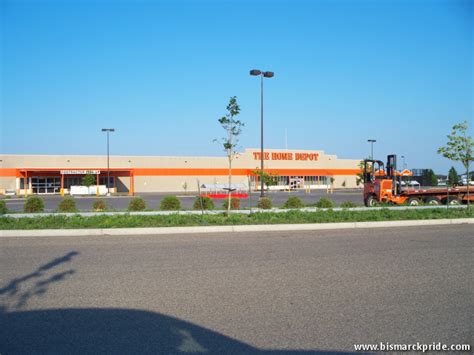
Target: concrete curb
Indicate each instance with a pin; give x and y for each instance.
(229, 229)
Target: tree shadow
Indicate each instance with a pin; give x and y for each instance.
(103, 330)
(16, 294)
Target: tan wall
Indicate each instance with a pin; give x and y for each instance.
(349, 180)
(245, 159)
(7, 183)
(100, 162)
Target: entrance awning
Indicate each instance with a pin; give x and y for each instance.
(74, 172)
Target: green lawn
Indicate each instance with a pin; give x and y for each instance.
(328, 216)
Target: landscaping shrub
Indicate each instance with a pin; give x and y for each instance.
(324, 203)
(264, 203)
(99, 206)
(67, 205)
(348, 204)
(207, 203)
(3, 207)
(136, 204)
(293, 202)
(234, 203)
(34, 204)
(170, 203)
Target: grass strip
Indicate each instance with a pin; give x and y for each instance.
(175, 220)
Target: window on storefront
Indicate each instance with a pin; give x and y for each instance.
(103, 181)
(282, 180)
(308, 180)
(45, 185)
(315, 180)
(72, 181)
(77, 181)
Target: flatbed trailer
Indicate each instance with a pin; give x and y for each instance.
(435, 196)
(384, 186)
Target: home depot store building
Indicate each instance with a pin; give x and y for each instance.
(130, 174)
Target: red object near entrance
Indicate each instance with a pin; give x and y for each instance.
(238, 195)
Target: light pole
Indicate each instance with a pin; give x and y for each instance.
(262, 74)
(371, 141)
(108, 157)
(403, 157)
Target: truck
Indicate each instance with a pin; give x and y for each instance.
(383, 184)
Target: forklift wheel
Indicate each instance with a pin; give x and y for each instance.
(371, 201)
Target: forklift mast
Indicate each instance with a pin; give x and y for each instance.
(391, 165)
(391, 169)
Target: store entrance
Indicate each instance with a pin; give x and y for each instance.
(46, 185)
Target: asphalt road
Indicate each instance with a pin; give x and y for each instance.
(296, 292)
(152, 200)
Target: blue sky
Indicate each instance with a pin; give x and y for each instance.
(162, 72)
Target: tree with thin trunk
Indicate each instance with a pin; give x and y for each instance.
(233, 129)
(268, 179)
(360, 174)
(460, 148)
(88, 180)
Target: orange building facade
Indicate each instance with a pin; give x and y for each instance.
(294, 169)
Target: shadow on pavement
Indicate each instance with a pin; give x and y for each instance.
(114, 331)
(101, 330)
(16, 294)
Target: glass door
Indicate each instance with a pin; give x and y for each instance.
(46, 185)
(38, 185)
(53, 185)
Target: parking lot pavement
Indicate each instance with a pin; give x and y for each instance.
(305, 292)
(120, 203)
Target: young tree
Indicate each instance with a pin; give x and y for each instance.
(460, 148)
(88, 180)
(360, 174)
(233, 129)
(269, 179)
(453, 177)
(332, 180)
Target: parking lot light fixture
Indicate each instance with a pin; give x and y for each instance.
(262, 74)
(371, 141)
(108, 130)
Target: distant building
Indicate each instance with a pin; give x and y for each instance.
(463, 179)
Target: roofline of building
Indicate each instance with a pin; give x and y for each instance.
(163, 156)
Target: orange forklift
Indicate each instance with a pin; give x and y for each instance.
(384, 185)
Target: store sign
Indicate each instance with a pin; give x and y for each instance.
(80, 172)
(286, 156)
